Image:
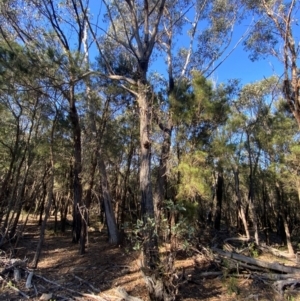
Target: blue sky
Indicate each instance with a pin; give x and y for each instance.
(237, 65)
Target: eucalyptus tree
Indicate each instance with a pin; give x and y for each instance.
(252, 132)
(102, 100)
(201, 48)
(275, 34)
(282, 180)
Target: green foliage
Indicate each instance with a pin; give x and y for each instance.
(184, 228)
(193, 176)
(254, 251)
(262, 40)
(232, 286)
(142, 231)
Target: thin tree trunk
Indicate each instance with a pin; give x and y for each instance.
(282, 214)
(161, 187)
(19, 204)
(125, 189)
(110, 217)
(219, 198)
(49, 200)
(42, 205)
(251, 192)
(241, 212)
(44, 223)
(288, 235)
(78, 219)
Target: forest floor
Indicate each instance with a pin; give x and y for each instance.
(66, 275)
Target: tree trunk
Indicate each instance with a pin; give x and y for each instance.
(44, 223)
(112, 228)
(241, 213)
(282, 215)
(42, 205)
(265, 216)
(125, 189)
(251, 192)
(288, 235)
(161, 187)
(219, 198)
(147, 207)
(78, 219)
(49, 200)
(145, 155)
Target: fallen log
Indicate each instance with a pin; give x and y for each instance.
(255, 262)
(272, 276)
(122, 292)
(277, 253)
(280, 285)
(241, 238)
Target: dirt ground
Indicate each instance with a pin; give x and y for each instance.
(103, 269)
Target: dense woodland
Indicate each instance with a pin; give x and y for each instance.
(104, 110)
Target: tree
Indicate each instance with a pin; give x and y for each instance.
(273, 35)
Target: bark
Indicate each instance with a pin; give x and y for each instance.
(42, 205)
(219, 198)
(274, 266)
(145, 154)
(240, 209)
(77, 169)
(147, 207)
(291, 86)
(125, 189)
(251, 191)
(92, 131)
(112, 228)
(64, 204)
(282, 215)
(265, 215)
(161, 187)
(19, 203)
(44, 223)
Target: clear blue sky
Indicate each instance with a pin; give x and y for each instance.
(236, 66)
(239, 66)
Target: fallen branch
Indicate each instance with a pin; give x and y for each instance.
(122, 292)
(236, 239)
(28, 284)
(255, 262)
(281, 284)
(87, 283)
(276, 252)
(10, 285)
(209, 274)
(11, 264)
(70, 290)
(268, 276)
